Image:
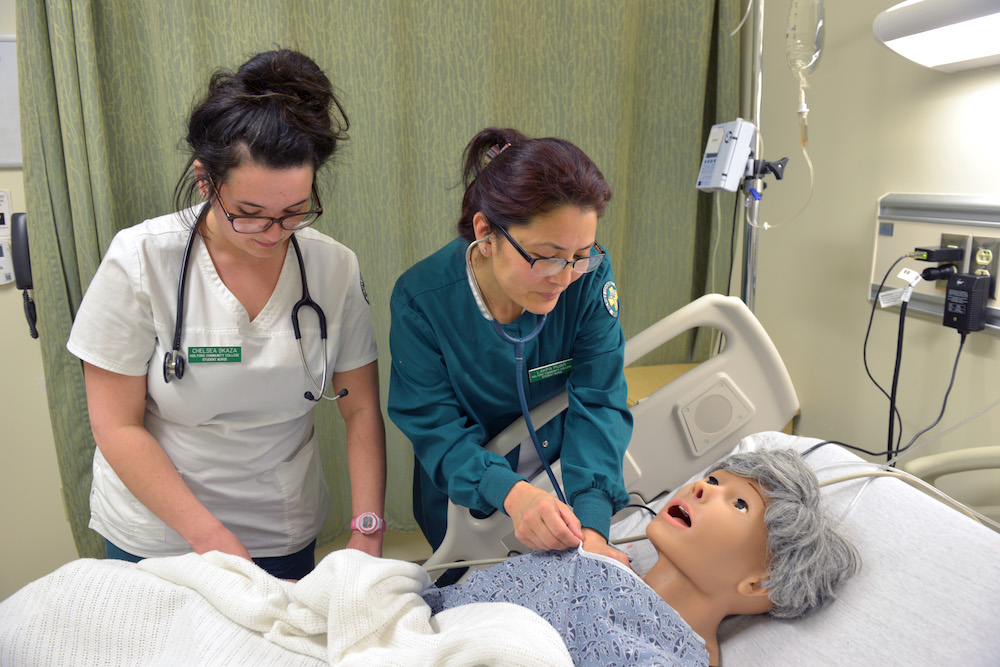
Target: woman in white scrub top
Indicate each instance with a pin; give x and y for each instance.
(224, 456)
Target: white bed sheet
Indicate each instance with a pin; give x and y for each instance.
(928, 592)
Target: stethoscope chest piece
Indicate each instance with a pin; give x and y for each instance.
(173, 366)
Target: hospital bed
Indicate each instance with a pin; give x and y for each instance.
(928, 592)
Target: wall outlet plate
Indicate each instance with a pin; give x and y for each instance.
(921, 220)
(985, 256)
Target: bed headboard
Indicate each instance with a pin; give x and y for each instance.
(698, 417)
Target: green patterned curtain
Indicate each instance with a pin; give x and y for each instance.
(107, 86)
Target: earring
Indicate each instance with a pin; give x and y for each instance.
(482, 251)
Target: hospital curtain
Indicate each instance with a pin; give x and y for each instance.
(106, 86)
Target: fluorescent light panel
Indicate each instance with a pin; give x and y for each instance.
(949, 35)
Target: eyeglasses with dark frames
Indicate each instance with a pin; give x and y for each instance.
(255, 224)
(550, 266)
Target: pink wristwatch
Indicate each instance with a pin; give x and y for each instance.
(368, 523)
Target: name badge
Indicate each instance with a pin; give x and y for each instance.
(211, 355)
(550, 370)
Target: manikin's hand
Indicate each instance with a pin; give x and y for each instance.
(541, 522)
(370, 544)
(595, 543)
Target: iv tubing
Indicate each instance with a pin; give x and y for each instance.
(749, 283)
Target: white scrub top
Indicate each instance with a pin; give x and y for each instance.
(237, 426)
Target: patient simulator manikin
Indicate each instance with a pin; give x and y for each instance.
(749, 538)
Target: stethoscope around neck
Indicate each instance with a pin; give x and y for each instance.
(518, 344)
(173, 361)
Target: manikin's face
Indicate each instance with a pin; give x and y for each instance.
(251, 189)
(567, 232)
(713, 530)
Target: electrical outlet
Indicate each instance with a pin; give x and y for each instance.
(985, 260)
(957, 241)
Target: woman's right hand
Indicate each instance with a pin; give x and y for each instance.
(541, 521)
(220, 539)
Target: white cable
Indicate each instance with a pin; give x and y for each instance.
(915, 481)
(715, 249)
(743, 20)
(945, 432)
(466, 563)
(812, 186)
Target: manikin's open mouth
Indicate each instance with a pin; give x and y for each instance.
(679, 512)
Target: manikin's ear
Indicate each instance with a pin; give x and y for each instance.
(481, 226)
(201, 178)
(753, 594)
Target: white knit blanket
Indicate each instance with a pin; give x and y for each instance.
(222, 610)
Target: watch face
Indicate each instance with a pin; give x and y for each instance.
(368, 523)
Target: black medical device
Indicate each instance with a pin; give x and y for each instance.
(22, 267)
(965, 302)
(173, 361)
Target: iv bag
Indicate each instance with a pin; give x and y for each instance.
(804, 36)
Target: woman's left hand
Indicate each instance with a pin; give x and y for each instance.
(595, 543)
(370, 544)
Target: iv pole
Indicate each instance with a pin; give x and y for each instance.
(748, 287)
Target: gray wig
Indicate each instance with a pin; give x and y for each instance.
(807, 558)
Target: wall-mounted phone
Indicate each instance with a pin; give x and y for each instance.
(727, 152)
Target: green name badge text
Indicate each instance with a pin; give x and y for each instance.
(210, 355)
(550, 370)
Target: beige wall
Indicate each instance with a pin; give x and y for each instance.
(878, 124)
(36, 536)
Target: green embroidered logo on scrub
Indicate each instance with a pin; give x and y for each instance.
(550, 370)
(610, 294)
(208, 355)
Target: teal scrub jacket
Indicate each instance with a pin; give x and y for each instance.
(452, 389)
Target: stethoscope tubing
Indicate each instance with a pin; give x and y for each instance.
(522, 399)
(519, 372)
(173, 362)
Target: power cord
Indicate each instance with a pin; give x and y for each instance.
(895, 376)
(864, 349)
(895, 452)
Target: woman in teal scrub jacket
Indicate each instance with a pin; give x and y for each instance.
(452, 387)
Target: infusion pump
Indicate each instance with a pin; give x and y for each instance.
(727, 155)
